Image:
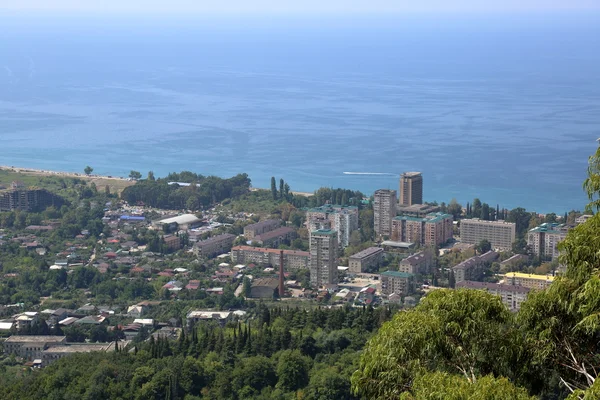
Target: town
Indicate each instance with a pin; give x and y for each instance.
(103, 273)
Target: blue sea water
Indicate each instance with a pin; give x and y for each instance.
(504, 108)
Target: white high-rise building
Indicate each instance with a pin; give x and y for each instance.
(323, 257)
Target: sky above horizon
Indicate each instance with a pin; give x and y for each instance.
(295, 7)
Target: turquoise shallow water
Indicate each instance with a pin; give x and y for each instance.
(504, 110)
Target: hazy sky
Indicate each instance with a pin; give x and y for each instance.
(295, 6)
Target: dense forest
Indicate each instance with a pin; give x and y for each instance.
(278, 354)
(203, 192)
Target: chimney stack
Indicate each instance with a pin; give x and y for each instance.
(281, 288)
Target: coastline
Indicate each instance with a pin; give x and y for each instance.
(98, 179)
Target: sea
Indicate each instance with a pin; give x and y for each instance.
(502, 107)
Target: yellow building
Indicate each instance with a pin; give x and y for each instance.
(531, 281)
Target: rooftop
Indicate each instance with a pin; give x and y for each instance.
(324, 232)
(492, 286)
(367, 252)
(521, 275)
(397, 274)
(33, 339)
(262, 223)
(215, 239)
(209, 314)
(333, 208)
(265, 250)
(180, 219)
(550, 228)
(284, 230)
(80, 348)
(483, 222)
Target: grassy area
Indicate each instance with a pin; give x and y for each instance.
(58, 181)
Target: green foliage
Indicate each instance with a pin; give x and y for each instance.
(88, 170)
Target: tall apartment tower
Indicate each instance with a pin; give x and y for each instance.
(323, 257)
(411, 188)
(384, 211)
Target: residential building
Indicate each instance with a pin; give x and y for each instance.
(343, 219)
(323, 258)
(531, 281)
(31, 200)
(418, 263)
(472, 269)
(31, 347)
(252, 230)
(292, 259)
(384, 211)
(543, 239)
(214, 246)
(582, 219)
(500, 234)
(172, 242)
(435, 229)
(400, 283)
(365, 260)
(512, 295)
(411, 188)
(276, 237)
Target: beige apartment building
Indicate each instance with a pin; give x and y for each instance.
(512, 295)
(31, 347)
(411, 188)
(292, 259)
(418, 263)
(323, 258)
(543, 239)
(252, 230)
(500, 234)
(214, 246)
(531, 281)
(276, 237)
(364, 260)
(472, 268)
(434, 229)
(400, 283)
(384, 211)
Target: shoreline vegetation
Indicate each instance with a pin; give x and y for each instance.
(116, 182)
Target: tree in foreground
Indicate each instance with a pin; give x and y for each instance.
(135, 175)
(461, 332)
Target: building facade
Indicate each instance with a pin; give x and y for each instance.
(433, 230)
(384, 211)
(472, 269)
(543, 239)
(31, 200)
(292, 259)
(512, 295)
(411, 188)
(214, 246)
(400, 283)
(252, 230)
(418, 263)
(276, 237)
(31, 347)
(531, 281)
(364, 260)
(500, 234)
(323, 258)
(343, 220)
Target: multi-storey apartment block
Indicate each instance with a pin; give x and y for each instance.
(500, 234)
(472, 268)
(292, 259)
(364, 260)
(411, 188)
(434, 229)
(543, 239)
(252, 230)
(512, 295)
(214, 246)
(343, 220)
(400, 283)
(384, 211)
(531, 281)
(323, 258)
